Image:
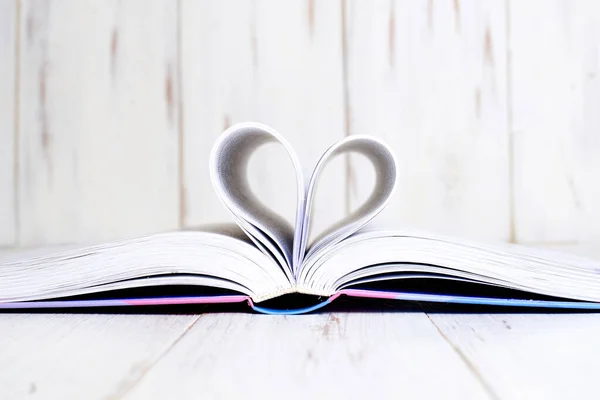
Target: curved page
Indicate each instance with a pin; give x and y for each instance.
(382, 158)
(228, 166)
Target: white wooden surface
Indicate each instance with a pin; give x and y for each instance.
(8, 20)
(350, 355)
(316, 356)
(528, 356)
(82, 356)
(117, 105)
(555, 68)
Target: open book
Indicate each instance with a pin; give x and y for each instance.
(265, 257)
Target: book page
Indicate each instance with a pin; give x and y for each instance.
(229, 174)
(219, 257)
(384, 163)
(388, 255)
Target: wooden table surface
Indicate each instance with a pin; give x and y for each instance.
(415, 353)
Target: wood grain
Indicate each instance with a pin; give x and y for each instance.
(533, 356)
(8, 40)
(555, 69)
(273, 62)
(81, 356)
(430, 79)
(497, 356)
(99, 119)
(314, 356)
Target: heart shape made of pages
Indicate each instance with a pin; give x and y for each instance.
(270, 232)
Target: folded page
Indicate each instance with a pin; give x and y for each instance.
(229, 173)
(384, 163)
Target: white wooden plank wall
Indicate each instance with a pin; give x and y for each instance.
(555, 68)
(98, 119)
(8, 20)
(429, 77)
(492, 116)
